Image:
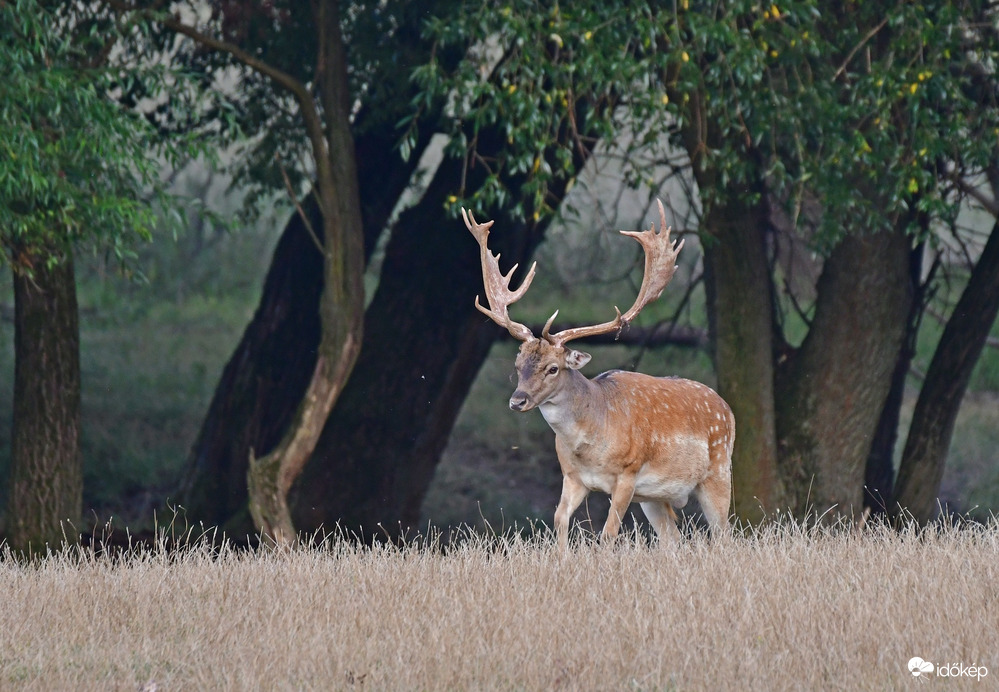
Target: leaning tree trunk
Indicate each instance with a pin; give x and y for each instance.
(267, 374)
(341, 303)
(261, 385)
(832, 391)
(922, 465)
(423, 346)
(46, 475)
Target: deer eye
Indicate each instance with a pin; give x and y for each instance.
(552, 370)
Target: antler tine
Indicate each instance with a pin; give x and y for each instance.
(498, 293)
(660, 264)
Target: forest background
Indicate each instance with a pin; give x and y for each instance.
(836, 163)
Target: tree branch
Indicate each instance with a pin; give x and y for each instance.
(991, 205)
(863, 41)
(310, 113)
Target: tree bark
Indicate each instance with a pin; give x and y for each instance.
(268, 372)
(423, 347)
(262, 383)
(964, 336)
(879, 474)
(831, 392)
(740, 312)
(740, 297)
(341, 302)
(46, 475)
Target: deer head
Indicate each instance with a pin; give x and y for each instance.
(544, 365)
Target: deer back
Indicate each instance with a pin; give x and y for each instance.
(668, 426)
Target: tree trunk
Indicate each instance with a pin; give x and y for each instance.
(267, 374)
(46, 476)
(261, 385)
(740, 312)
(741, 309)
(341, 303)
(423, 347)
(954, 359)
(830, 394)
(879, 475)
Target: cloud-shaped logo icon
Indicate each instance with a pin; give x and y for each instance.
(918, 666)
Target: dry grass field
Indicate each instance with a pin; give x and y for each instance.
(780, 609)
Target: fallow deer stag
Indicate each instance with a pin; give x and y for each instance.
(654, 440)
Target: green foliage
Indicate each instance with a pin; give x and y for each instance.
(233, 104)
(867, 109)
(76, 167)
(551, 79)
(874, 109)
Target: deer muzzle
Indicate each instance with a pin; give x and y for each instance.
(520, 401)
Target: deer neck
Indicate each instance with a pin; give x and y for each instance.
(575, 410)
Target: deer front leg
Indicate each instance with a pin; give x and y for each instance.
(621, 496)
(573, 494)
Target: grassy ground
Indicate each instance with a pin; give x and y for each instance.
(785, 609)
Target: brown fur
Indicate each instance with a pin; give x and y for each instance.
(654, 440)
(635, 437)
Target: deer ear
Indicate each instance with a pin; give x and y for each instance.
(576, 359)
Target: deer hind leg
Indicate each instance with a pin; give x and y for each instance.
(663, 520)
(714, 494)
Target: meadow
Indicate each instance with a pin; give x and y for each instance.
(780, 608)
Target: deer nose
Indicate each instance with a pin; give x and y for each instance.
(518, 401)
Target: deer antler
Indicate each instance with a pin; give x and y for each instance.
(498, 293)
(660, 264)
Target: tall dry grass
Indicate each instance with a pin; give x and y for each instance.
(782, 609)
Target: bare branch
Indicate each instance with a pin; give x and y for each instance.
(298, 205)
(849, 57)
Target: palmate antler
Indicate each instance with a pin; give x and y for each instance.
(660, 264)
(498, 293)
